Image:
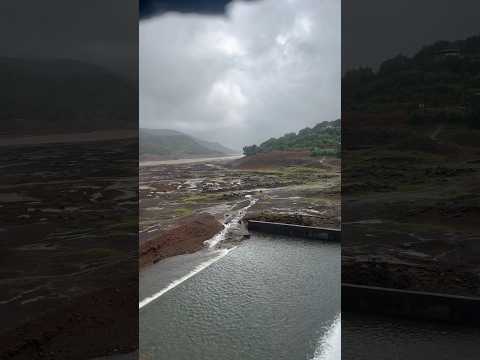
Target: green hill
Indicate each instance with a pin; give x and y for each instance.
(441, 82)
(174, 144)
(323, 139)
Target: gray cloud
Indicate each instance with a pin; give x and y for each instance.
(375, 30)
(264, 69)
(149, 8)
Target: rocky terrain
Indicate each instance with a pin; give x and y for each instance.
(68, 250)
(289, 187)
(410, 175)
(410, 204)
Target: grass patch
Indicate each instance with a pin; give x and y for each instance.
(183, 211)
(199, 198)
(303, 173)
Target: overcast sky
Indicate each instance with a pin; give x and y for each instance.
(264, 69)
(376, 30)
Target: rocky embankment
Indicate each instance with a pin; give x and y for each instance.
(186, 236)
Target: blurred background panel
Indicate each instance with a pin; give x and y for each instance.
(410, 176)
(68, 191)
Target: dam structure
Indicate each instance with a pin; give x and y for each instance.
(292, 230)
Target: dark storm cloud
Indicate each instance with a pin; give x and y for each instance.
(264, 69)
(375, 30)
(101, 32)
(150, 8)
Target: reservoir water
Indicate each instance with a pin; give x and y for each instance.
(395, 338)
(269, 298)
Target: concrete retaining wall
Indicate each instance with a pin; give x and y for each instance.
(387, 301)
(411, 304)
(310, 232)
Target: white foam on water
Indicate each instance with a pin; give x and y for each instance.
(174, 284)
(211, 243)
(329, 346)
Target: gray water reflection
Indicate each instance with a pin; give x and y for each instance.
(270, 298)
(367, 337)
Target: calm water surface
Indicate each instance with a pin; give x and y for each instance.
(393, 338)
(270, 298)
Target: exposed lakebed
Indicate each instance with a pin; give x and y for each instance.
(183, 204)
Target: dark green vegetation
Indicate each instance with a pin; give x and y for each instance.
(440, 83)
(64, 96)
(170, 143)
(322, 140)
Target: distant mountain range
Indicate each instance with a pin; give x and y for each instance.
(63, 96)
(164, 143)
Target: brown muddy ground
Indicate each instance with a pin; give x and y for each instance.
(69, 274)
(410, 205)
(187, 235)
(293, 188)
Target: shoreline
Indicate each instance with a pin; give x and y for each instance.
(68, 138)
(146, 163)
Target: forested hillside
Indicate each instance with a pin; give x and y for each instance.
(439, 83)
(323, 139)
